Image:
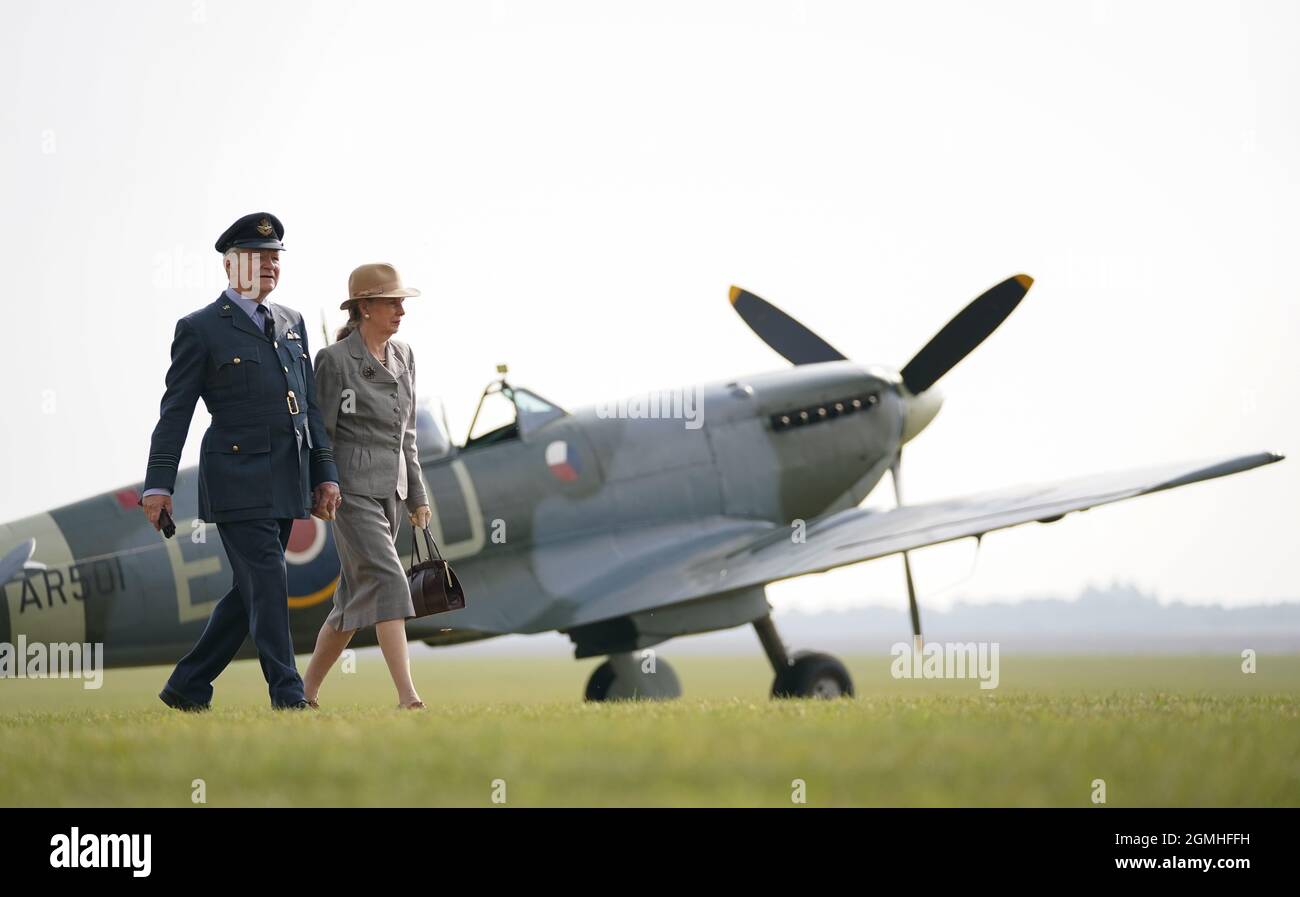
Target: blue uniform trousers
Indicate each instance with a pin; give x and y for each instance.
(258, 604)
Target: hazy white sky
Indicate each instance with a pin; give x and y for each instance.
(575, 185)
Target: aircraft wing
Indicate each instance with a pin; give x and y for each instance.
(764, 553)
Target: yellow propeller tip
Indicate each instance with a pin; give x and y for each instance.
(1024, 280)
(733, 294)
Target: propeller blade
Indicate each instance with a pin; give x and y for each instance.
(917, 642)
(17, 561)
(962, 334)
(791, 340)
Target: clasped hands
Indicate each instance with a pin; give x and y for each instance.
(325, 500)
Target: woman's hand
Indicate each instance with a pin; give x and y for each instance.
(421, 516)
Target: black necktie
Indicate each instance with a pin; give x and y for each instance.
(268, 326)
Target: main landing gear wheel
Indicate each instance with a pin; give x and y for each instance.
(813, 675)
(803, 674)
(625, 677)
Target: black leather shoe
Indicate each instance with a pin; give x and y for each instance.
(176, 702)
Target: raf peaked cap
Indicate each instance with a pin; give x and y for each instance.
(260, 230)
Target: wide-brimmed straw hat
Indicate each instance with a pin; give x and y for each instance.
(376, 281)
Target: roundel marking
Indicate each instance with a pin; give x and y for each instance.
(307, 541)
(562, 461)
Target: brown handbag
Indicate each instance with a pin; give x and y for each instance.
(434, 586)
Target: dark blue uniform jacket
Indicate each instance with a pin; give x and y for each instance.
(266, 448)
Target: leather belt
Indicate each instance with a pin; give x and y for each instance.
(235, 417)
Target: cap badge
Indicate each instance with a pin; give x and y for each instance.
(264, 228)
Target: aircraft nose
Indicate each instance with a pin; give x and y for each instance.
(919, 410)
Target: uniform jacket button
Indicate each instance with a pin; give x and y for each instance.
(236, 359)
(234, 448)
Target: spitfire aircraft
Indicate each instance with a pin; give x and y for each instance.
(621, 531)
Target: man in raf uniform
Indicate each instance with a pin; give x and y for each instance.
(266, 459)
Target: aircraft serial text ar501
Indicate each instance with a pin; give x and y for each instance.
(621, 533)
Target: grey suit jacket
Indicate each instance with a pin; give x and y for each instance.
(370, 418)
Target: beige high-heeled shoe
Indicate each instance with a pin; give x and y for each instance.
(414, 705)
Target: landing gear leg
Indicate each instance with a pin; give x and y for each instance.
(772, 644)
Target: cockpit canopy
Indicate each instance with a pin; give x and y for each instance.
(509, 412)
(504, 412)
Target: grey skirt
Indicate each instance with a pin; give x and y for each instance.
(372, 583)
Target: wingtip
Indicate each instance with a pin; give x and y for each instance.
(1024, 280)
(733, 294)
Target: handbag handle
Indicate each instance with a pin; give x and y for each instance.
(430, 545)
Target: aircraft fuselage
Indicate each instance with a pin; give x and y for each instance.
(777, 446)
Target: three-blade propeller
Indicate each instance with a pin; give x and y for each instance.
(958, 338)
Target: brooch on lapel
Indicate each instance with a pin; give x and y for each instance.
(367, 372)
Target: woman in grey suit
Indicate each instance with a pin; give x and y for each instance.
(365, 385)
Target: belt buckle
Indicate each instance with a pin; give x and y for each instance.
(293, 402)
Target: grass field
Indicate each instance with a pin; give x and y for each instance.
(1160, 731)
